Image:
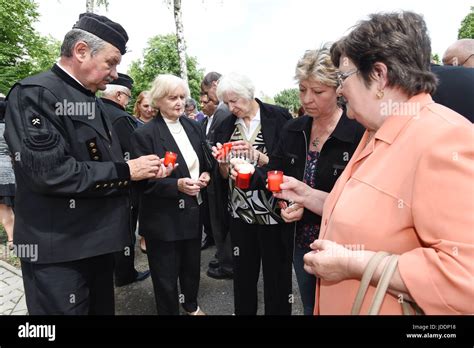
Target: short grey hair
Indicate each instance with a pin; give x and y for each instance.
(74, 36)
(164, 84)
(110, 90)
(317, 65)
(236, 83)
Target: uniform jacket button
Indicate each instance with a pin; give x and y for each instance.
(91, 145)
(96, 158)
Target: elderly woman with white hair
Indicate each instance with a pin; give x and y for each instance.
(170, 208)
(255, 227)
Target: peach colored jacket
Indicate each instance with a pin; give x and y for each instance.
(409, 192)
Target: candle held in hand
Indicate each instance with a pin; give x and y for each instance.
(243, 176)
(275, 178)
(170, 158)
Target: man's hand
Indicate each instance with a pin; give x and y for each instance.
(144, 167)
(189, 186)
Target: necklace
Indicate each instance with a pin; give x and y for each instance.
(318, 140)
(175, 128)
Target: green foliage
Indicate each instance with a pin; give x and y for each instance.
(435, 58)
(22, 51)
(467, 26)
(161, 57)
(289, 98)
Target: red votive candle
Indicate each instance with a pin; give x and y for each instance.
(243, 178)
(275, 178)
(225, 150)
(170, 158)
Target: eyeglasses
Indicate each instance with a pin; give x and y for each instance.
(341, 77)
(129, 96)
(467, 59)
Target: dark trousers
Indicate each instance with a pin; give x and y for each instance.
(170, 261)
(83, 287)
(218, 218)
(306, 281)
(124, 268)
(272, 246)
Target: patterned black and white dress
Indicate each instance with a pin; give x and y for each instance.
(252, 206)
(7, 177)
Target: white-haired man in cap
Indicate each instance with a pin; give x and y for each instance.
(72, 200)
(116, 97)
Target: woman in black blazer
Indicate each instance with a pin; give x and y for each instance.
(255, 225)
(170, 208)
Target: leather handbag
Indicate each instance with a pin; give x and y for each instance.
(409, 308)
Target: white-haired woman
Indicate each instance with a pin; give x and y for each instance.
(255, 227)
(170, 217)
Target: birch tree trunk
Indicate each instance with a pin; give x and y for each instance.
(90, 5)
(178, 18)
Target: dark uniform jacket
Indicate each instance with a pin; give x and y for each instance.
(72, 182)
(123, 124)
(167, 214)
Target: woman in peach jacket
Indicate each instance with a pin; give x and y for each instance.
(408, 189)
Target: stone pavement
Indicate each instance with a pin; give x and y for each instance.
(215, 296)
(12, 297)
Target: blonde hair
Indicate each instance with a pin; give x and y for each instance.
(317, 65)
(164, 84)
(136, 109)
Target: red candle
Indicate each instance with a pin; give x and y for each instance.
(225, 150)
(275, 178)
(243, 178)
(170, 158)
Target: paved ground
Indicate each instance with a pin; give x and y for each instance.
(215, 296)
(12, 298)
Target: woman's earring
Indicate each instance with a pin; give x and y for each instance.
(380, 94)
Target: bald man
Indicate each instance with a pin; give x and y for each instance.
(460, 53)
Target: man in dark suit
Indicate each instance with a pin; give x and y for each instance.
(456, 84)
(72, 181)
(116, 98)
(221, 266)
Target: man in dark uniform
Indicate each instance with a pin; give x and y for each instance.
(116, 98)
(221, 266)
(72, 199)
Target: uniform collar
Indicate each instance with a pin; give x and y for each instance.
(111, 102)
(70, 80)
